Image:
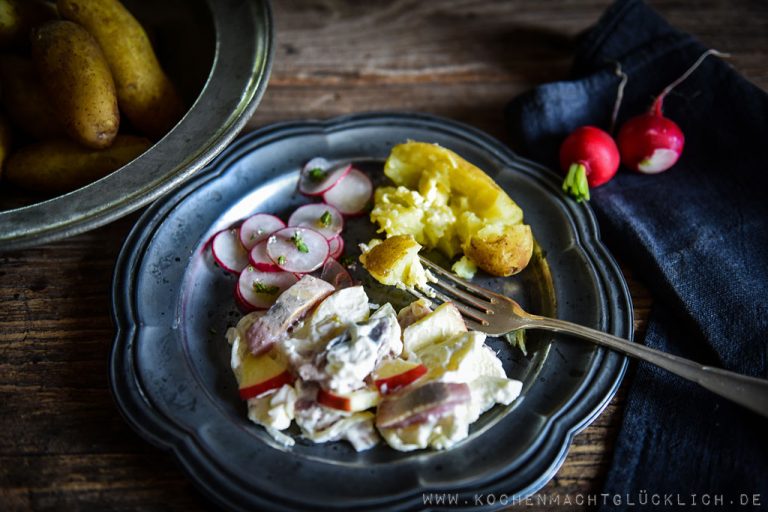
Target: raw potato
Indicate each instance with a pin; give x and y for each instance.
(59, 166)
(25, 100)
(145, 94)
(5, 142)
(18, 17)
(76, 75)
(10, 22)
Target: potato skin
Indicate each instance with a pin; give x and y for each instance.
(76, 75)
(406, 164)
(489, 224)
(10, 22)
(61, 165)
(502, 254)
(145, 94)
(25, 100)
(18, 17)
(384, 259)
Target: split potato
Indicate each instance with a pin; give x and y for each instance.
(58, 166)
(447, 203)
(144, 92)
(76, 75)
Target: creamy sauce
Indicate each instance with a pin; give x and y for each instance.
(338, 346)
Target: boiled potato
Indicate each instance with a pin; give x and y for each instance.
(395, 262)
(501, 250)
(145, 94)
(58, 166)
(5, 142)
(447, 203)
(76, 75)
(18, 17)
(25, 100)
(429, 167)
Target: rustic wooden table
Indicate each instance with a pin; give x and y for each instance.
(64, 445)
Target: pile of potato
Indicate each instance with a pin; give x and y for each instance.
(68, 70)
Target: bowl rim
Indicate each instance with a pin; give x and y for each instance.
(144, 179)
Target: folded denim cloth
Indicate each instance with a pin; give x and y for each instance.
(696, 234)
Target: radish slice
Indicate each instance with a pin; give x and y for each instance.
(240, 301)
(350, 195)
(323, 218)
(335, 273)
(228, 252)
(257, 228)
(259, 289)
(297, 249)
(316, 163)
(316, 179)
(335, 247)
(260, 260)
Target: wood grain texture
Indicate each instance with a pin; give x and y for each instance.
(64, 445)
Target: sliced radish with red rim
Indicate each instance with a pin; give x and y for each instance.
(315, 180)
(323, 218)
(260, 260)
(316, 163)
(257, 228)
(241, 302)
(228, 252)
(335, 273)
(297, 249)
(259, 289)
(336, 247)
(351, 194)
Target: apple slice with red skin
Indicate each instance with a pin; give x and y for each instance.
(395, 374)
(262, 373)
(359, 400)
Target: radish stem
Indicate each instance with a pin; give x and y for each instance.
(575, 183)
(619, 95)
(656, 108)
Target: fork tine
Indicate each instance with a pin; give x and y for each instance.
(418, 293)
(474, 326)
(469, 317)
(466, 297)
(473, 319)
(478, 291)
(468, 312)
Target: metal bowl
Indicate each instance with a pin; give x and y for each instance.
(219, 54)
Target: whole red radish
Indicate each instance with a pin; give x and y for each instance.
(651, 143)
(590, 158)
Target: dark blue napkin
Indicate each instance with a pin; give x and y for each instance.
(697, 235)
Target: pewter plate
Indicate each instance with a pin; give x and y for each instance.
(170, 362)
(219, 54)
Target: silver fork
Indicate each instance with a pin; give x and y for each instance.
(495, 314)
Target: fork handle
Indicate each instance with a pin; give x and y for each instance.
(750, 392)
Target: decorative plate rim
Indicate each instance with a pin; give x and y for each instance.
(605, 373)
